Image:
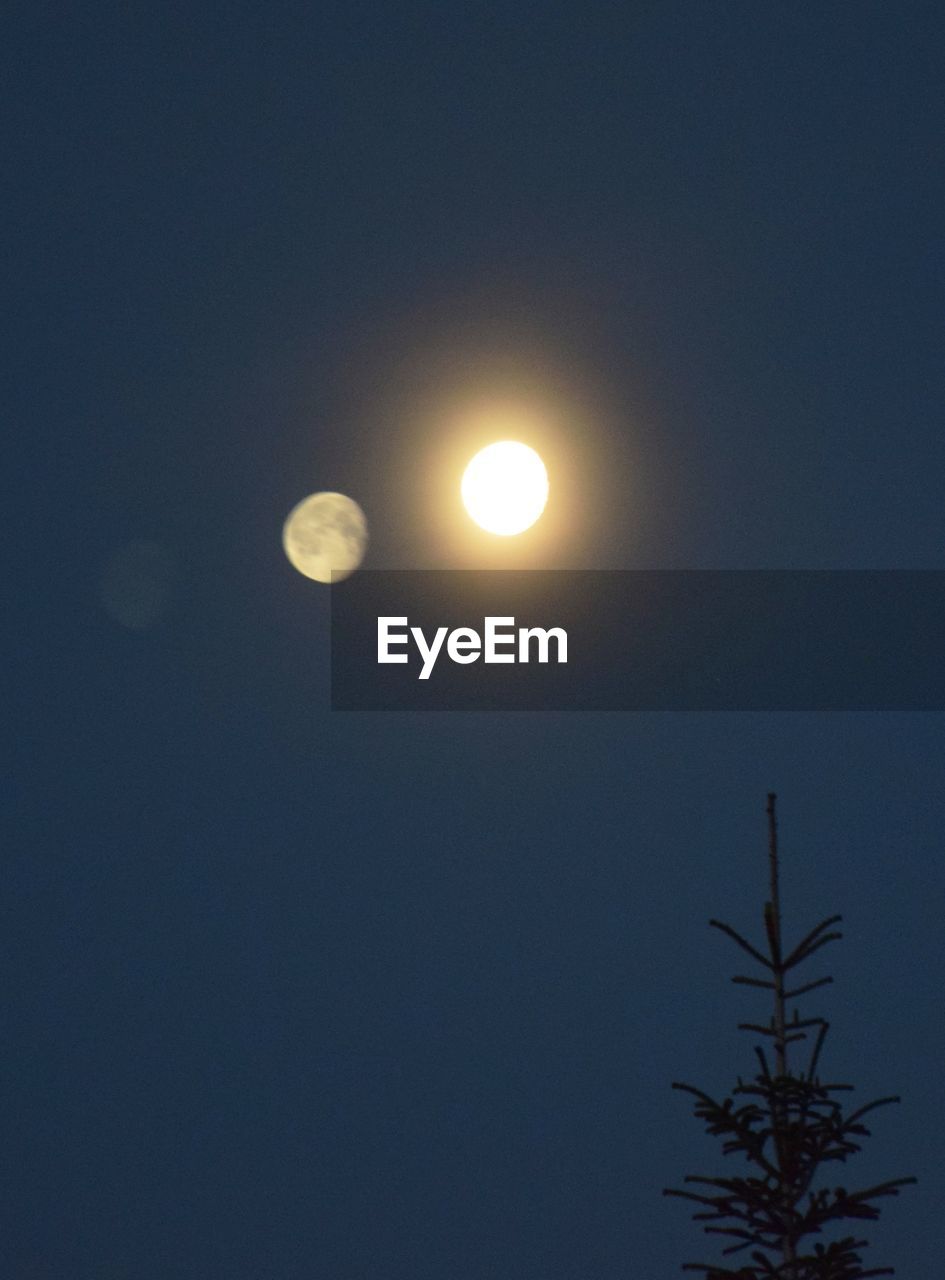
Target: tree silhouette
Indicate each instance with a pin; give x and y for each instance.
(794, 1117)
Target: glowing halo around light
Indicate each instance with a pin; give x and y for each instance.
(505, 487)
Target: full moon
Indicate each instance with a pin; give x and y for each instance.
(325, 536)
(505, 487)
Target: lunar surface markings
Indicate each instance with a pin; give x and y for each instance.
(325, 536)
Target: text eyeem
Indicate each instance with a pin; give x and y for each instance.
(465, 645)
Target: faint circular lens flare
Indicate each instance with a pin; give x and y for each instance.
(505, 487)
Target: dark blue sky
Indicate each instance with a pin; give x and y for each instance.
(290, 994)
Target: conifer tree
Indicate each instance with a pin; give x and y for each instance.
(787, 1128)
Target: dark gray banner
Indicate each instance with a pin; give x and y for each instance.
(639, 640)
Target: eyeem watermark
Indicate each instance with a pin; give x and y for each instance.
(464, 645)
(638, 640)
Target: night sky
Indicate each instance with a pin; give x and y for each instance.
(290, 993)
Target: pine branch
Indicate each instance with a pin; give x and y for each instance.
(788, 1128)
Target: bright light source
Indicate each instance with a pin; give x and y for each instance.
(505, 487)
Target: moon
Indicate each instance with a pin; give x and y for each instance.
(325, 536)
(505, 487)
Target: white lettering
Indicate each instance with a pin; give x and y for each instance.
(385, 640)
(463, 645)
(428, 652)
(526, 633)
(493, 638)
